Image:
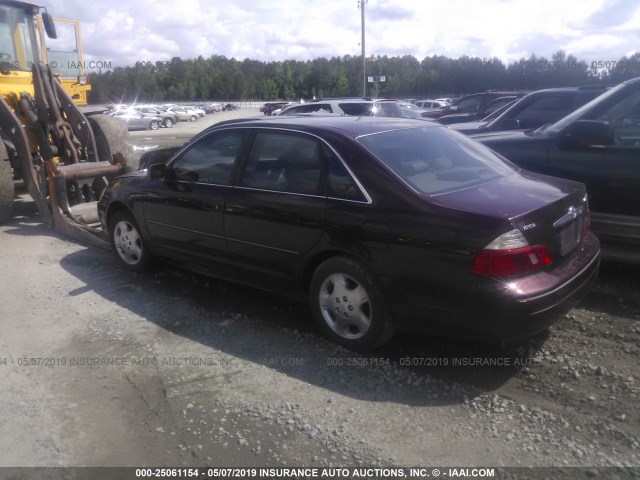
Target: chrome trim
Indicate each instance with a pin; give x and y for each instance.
(323, 197)
(569, 217)
(186, 229)
(202, 183)
(363, 190)
(263, 246)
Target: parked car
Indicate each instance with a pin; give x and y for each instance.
(168, 118)
(267, 106)
(599, 145)
(137, 121)
(470, 104)
(430, 104)
(488, 109)
(199, 111)
(271, 107)
(209, 108)
(185, 114)
(534, 110)
(383, 224)
(230, 107)
(354, 107)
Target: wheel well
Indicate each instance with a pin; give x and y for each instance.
(315, 261)
(114, 208)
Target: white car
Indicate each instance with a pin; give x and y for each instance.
(199, 111)
(430, 104)
(184, 113)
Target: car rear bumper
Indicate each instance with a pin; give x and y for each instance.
(510, 309)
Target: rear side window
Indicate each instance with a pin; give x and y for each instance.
(309, 108)
(435, 160)
(356, 109)
(340, 183)
(284, 162)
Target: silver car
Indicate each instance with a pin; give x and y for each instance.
(184, 113)
(138, 121)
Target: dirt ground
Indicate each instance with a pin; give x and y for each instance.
(101, 367)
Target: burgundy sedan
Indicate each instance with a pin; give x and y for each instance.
(383, 224)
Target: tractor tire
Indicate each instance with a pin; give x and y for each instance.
(6, 185)
(112, 137)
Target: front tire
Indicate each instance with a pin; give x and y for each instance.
(168, 123)
(154, 125)
(193, 118)
(127, 242)
(348, 306)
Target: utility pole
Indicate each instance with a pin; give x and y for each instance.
(361, 4)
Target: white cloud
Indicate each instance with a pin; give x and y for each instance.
(298, 29)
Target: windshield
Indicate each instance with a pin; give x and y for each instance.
(435, 160)
(17, 38)
(569, 119)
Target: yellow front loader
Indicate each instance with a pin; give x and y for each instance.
(63, 157)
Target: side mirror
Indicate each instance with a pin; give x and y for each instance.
(157, 171)
(590, 133)
(49, 26)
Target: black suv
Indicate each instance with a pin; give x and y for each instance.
(536, 109)
(599, 145)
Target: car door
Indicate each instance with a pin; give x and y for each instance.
(184, 210)
(275, 213)
(612, 171)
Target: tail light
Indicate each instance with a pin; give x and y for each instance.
(510, 255)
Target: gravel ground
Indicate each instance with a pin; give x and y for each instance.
(101, 367)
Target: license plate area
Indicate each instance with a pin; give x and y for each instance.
(570, 235)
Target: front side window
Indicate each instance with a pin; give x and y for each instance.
(284, 162)
(544, 110)
(468, 105)
(210, 160)
(624, 118)
(435, 160)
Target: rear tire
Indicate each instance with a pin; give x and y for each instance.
(193, 118)
(6, 185)
(348, 306)
(154, 125)
(168, 123)
(127, 242)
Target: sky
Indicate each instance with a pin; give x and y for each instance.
(123, 32)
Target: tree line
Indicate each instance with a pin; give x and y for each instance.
(221, 78)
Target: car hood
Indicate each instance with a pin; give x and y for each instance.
(511, 196)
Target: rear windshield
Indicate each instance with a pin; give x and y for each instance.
(435, 160)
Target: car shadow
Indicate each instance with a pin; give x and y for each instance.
(265, 329)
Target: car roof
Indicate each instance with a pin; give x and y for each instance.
(352, 126)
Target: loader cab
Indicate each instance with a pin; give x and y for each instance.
(28, 35)
(19, 45)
